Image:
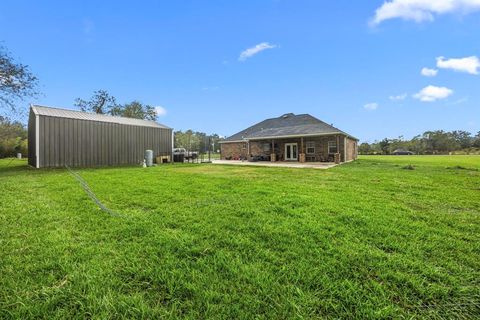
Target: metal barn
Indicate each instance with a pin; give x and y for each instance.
(59, 137)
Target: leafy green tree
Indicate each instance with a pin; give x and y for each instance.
(463, 138)
(476, 141)
(418, 145)
(16, 81)
(439, 142)
(365, 148)
(197, 141)
(215, 141)
(13, 138)
(384, 146)
(135, 109)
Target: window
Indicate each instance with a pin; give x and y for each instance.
(310, 147)
(266, 147)
(244, 146)
(332, 147)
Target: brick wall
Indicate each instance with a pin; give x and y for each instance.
(236, 150)
(352, 149)
(233, 150)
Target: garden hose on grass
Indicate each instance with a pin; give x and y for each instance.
(90, 193)
(9, 163)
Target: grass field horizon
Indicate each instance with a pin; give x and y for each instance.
(381, 237)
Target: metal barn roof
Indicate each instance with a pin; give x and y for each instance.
(80, 115)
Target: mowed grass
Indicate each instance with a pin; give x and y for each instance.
(368, 239)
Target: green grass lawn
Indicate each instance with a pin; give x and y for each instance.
(368, 239)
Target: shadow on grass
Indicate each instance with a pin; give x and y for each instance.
(13, 165)
(461, 168)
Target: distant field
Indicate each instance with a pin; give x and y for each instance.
(382, 237)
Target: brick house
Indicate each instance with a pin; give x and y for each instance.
(291, 137)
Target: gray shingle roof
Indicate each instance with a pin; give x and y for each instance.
(287, 125)
(80, 115)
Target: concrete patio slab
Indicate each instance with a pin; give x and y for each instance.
(279, 164)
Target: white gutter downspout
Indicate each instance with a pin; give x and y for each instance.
(37, 137)
(173, 146)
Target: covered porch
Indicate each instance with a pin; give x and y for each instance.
(302, 149)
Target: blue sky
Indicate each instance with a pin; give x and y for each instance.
(356, 64)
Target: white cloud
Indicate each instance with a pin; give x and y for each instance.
(468, 64)
(161, 111)
(433, 93)
(250, 52)
(427, 72)
(398, 97)
(422, 10)
(371, 106)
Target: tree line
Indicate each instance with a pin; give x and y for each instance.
(430, 142)
(197, 141)
(13, 138)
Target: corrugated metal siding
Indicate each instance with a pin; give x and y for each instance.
(31, 139)
(84, 143)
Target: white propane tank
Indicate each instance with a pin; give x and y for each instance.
(149, 158)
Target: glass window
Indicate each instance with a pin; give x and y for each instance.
(332, 147)
(310, 147)
(266, 147)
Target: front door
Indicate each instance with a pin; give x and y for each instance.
(291, 152)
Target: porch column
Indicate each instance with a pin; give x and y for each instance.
(302, 151)
(337, 154)
(273, 157)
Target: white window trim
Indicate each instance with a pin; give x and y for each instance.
(266, 147)
(333, 146)
(310, 147)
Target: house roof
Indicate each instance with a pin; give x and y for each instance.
(287, 125)
(80, 115)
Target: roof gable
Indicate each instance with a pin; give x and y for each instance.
(80, 115)
(286, 125)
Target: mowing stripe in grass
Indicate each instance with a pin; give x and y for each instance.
(90, 193)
